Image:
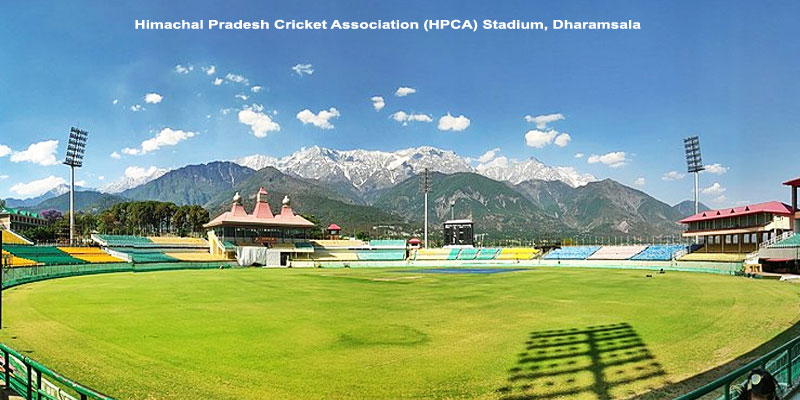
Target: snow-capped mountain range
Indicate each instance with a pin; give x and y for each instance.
(134, 176)
(369, 170)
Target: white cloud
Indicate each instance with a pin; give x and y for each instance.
(115, 155)
(721, 199)
(714, 190)
(184, 69)
(541, 121)
(37, 187)
(640, 181)
(451, 123)
(489, 155)
(498, 162)
(115, 101)
(140, 172)
(136, 108)
(235, 78)
(256, 89)
(301, 69)
(716, 169)
(3, 177)
(672, 176)
(405, 118)
(80, 183)
(614, 159)
(377, 102)
(42, 153)
(4, 150)
(562, 139)
(579, 155)
(101, 178)
(153, 98)
(241, 96)
(210, 70)
(404, 91)
(217, 81)
(166, 137)
(538, 138)
(260, 124)
(320, 120)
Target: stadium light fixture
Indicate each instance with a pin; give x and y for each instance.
(425, 188)
(694, 164)
(76, 146)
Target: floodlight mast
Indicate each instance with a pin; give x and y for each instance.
(425, 188)
(76, 146)
(694, 164)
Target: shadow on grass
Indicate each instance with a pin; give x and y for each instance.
(597, 362)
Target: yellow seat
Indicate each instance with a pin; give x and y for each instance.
(333, 255)
(719, 257)
(14, 261)
(517, 253)
(92, 255)
(432, 254)
(13, 238)
(337, 243)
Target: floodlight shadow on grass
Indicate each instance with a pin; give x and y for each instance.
(596, 362)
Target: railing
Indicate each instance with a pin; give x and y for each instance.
(783, 363)
(32, 380)
(776, 239)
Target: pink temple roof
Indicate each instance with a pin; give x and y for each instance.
(793, 182)
(334, 227)
(262, 215)
(775, 207)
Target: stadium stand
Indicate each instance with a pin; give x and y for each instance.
(124, 241)
(387, 243)
(718, 257)
(616, 252)
(431, 254)
(178, 241)
(517, 253)
(467, 254)
(46, 255)
(337, 243)
(14, 261)
(487, 254)
(453, 254)
(144, 255)
(10, 237)
(791, 241)
(572, 253)
(90, 254)
(194, 256)
(381, 255)
(658, 253)
(331, 254)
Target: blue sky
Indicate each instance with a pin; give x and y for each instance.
(725, 71)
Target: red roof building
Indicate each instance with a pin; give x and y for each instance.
(739, 229)
(794, 184)
(262, 227)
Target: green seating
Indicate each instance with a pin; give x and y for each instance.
(487, 254)
(453, 254)
(381, 255)
(47, 255)
(126, 241)
(467, 254)
(793, 241)
(145, 255)
(387, 243)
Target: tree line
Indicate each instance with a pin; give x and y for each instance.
(131, 218)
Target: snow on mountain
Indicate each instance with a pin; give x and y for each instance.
(133, 177)
(369, 170)
(257, 161)
(502, 169)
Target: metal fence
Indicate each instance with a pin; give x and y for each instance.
(782, 363)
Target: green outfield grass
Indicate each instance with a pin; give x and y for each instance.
(379, 333)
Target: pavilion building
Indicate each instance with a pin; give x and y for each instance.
(284, 233)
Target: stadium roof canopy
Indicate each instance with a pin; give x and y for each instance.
(774, 207)
(793, 182)
(262, 215)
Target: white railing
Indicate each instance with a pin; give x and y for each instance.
(776, 239)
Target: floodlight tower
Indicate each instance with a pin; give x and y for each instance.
(75, 149)
(425, 188)
(694, 164)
